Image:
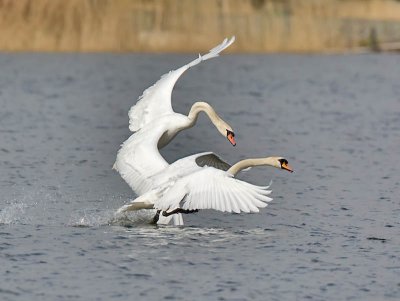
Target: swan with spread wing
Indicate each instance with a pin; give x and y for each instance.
(155, 124)
(204, 181)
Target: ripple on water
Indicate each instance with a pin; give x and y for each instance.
(312, 253)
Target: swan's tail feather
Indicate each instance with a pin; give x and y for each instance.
(145, 201)
(134, 206)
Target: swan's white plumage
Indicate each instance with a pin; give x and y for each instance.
(139, 159)
(186, 185)
(153, 121)
(155, 101)
(210, 188)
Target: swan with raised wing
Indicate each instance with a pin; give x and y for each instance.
(155, 124)
(204, 181)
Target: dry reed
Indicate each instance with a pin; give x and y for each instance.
(193, 25)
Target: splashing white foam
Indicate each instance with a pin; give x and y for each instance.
(97, 217)
(133, 218)
(13, 213)
(90, 218)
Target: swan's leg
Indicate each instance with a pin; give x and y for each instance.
(165, 213)
(156, 217)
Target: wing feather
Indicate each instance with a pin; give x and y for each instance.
(243, 197)
(211, 188)
(228, 202)
(240, 197)
(219, 195)
(260, 199)
(235, 206)
(258, 194)
(261, 189)
(243, 205)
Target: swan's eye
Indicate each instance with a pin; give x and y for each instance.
(283, 162)
(230, 133)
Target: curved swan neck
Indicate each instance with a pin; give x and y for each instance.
(236, 168)
(191, 119)
(202, 106)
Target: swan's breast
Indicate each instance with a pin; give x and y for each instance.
(173, 124)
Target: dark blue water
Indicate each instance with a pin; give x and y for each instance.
(332, 231)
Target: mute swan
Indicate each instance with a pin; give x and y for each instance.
(155, 124)
(204, 181)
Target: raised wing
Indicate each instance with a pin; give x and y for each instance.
(156, 100)
(214, 189)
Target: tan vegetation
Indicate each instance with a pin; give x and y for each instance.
(194, 25)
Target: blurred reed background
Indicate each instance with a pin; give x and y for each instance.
(193, 25)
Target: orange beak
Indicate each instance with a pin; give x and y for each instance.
(231, 138)
(287, 167)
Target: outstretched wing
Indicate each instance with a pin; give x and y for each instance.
(156, 100)
(214, 189)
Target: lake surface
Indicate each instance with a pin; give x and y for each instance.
(332, 231)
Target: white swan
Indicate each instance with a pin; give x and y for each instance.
(204, 181)
(155, 124)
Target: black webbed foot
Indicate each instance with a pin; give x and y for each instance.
(179, 210)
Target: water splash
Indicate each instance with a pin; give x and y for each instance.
(133, 218)
(96, 218)
(29, 206)
(90, 218)
(13, 213)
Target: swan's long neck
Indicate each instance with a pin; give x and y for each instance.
(236, 168)
(194, 112)
(202, 106)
